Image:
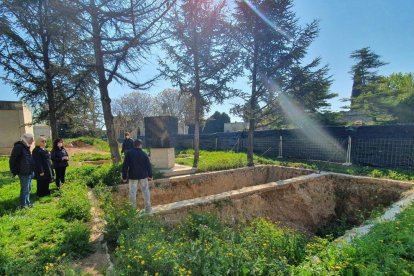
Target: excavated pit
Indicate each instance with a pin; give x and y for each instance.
(307, 201)
(179, 188)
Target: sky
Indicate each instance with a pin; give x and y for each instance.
(345, 25)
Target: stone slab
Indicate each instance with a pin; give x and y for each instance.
(163, 158)
(178, 170)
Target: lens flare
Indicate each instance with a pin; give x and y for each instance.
(266, 20)
(310, 129)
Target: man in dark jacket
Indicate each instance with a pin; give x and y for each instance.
(21, 164)
(127, 144)
(137, 169)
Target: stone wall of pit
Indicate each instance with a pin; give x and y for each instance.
(180, 188)
(305, 203)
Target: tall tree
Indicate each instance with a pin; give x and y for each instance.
(363, 71)
(388, 99)
(39, 51)
(173, 103)
(131, 109)
(202, 56)
(121, 34)
(273, 46)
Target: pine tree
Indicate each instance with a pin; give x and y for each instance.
(363, 70)
(120, 34)
(202, 57)
(273, 46)
(39, 51)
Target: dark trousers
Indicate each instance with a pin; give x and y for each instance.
(43, 187)
(60, 176)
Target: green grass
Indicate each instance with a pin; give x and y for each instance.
(387, 249)
(90, 156)
(46, 236)
(216, 160)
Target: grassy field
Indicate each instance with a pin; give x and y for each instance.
(43, 238)
(48, 237)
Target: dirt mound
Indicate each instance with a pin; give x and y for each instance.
(79, 144)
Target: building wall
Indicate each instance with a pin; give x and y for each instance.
(15, 120)
(42, 130)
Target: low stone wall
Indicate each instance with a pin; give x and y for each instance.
(305, 203)
(179, 188)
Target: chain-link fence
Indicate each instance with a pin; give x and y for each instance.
(381, 146)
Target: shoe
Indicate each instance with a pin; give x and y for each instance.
(30, 205)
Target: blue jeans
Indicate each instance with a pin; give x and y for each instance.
(25, 187)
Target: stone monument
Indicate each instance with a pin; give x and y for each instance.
(159, 136)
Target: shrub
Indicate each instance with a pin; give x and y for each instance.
(74, 202)
(76, 240)
(90, 156)
(203, 246)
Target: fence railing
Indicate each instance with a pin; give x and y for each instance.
(381, 146)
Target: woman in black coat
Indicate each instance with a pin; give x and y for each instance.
(43, 168)
(60, 159)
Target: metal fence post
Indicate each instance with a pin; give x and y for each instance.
(348, 152)
(215, 145)
(280, 147)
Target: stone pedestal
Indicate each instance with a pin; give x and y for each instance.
(163, 158)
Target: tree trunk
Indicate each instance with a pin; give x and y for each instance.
(103, 88)
(197, 98)
(250, 142)
(252, 108)
(197, 133)
(50, 93)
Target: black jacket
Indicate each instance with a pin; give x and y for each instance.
(127, 145)
(57, 155)
(21, 162)
(42, 163)
(136, 165)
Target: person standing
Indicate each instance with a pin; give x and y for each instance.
(21, 164)
(60, 159)
(43, 168)
(137, 169)
(127, 144)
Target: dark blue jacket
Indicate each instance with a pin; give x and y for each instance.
(136, 165)
(127, 145)
(57, 155)
(42, 163)
(21, 162)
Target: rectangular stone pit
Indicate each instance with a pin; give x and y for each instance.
(178, 188)
(306, 202)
